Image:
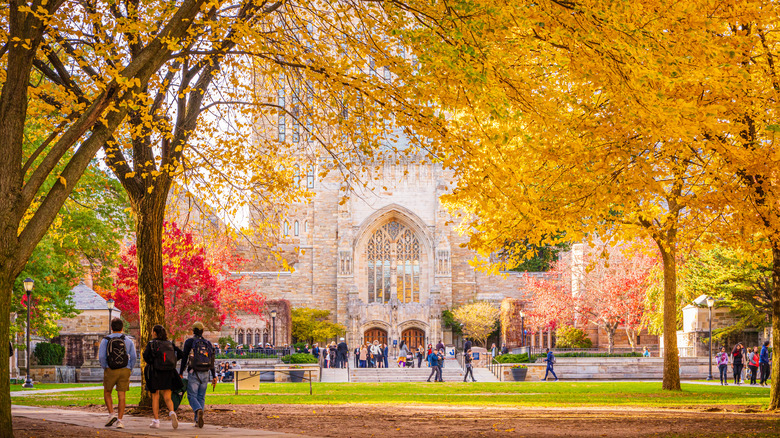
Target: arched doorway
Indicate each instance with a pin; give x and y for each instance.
(375, 334)
(413, 337)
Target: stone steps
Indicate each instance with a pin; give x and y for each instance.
(453, 373)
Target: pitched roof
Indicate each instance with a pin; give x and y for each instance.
(85, 298)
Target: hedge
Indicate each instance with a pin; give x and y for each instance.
(245, 356)
(299, 358)
(49, 354)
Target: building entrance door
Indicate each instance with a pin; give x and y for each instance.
(375, 334)
(413, 338)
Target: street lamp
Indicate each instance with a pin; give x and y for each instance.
(710, 303)
(522, 327)
(110, 304)
(28, 285)
(273, 326)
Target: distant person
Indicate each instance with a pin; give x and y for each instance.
(504, 349)
(402, 353)
(722, 360)
(440, 345)
(199, 362)
(493, 350)
(343, 353)
(117, 357)
(356, 353)
(161, 356)
(737, 363)
(363, 356)
(441, 356)
(467, 345)
(385, 355)
(753, 358)
(763, 363)
(315, 351)
(645, 352)
(469, 367)
(433, 362)
(550, 362)
(420, 356)
(235, 366)
(374, 355)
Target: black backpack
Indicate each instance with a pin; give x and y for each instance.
(116, 352)
(201, 356)
(164, 355)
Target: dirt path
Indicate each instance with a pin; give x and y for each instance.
(363, 421)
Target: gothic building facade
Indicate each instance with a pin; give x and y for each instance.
(384, 258)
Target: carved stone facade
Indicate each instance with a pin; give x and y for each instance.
(386, 261)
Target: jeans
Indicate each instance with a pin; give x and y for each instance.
(419, 362)
(362, 364)
(436, 374)
(753, 373)
(549, 370)
(724, 377)
(737, 372)
(469, 370)
(764, 372)
(197, 384)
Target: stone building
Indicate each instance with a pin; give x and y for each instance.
(383, 258)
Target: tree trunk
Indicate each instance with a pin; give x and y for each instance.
(631, 335)
(774, 394)
(150, 214)
(6, 425)
(671, 379)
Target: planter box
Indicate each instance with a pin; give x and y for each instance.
(519, 374)
(297, 376)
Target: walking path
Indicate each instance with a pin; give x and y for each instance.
(138, 425)
(25, 392)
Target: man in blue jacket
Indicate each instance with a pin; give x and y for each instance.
(117, 357)
(433, 360)
(550, 362)
(763, 363)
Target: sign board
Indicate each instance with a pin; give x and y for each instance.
(395, 343)
(247, 380)
(475, 356)
(450, 351)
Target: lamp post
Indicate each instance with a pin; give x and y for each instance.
(28, 285)
(273, 326)
(710, 303)
(522, 328)
(110, 304)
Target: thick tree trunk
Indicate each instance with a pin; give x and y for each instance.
(671, 379)
(150, 214)
(774, 395)
(611, 329)
(6, 426)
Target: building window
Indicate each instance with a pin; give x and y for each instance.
(240, 337)
(280, 102)
(297, 176)
(286, 228)
(296, 229)
(257, 336)
(305, 226)
(310, 177)
(393, 259)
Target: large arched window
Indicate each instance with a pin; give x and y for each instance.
(393, 264)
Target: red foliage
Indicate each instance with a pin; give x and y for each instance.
(197, 284)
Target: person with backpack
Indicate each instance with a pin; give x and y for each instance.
(160, 373)
(117, 357)
(199, 362)
(550, 362)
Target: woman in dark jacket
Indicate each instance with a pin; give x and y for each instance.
(737, 362)
(161, 381)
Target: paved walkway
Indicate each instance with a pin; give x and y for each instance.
(139, 425)
(25, 392)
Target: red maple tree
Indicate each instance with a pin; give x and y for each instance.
(610, 292)
(197, 283)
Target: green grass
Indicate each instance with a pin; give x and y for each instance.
(537, 394)
(39, 386)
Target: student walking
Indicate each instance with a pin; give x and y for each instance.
(737, 364)
(763, 363)
(161, 356)
(469, 367)
(199, 362)
(433, 362)
(550, 362)
(722, 359)
(753, 357)
(117, 357)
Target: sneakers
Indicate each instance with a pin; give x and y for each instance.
(174, 420)
(155, 424)
(119, 424)
(199, 414)
(111, 420)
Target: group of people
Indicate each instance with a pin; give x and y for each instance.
(332, 355)
(117, 356)
(757, 363)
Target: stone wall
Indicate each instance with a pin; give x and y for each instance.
(88, 321)
(52, 374)
(613, 368)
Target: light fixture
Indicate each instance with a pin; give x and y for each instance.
(110, 303)
(710, 301)
(28, 284)
(273, 314)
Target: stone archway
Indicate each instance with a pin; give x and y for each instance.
(413, 337)
(375, 334)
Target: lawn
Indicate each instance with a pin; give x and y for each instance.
(39, 386)
(532, 394)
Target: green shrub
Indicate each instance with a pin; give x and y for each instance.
(233, 355)
(49, 354)
(572, 337)
(225, 340)
(299, 358)
(299, 346)
(513, 358)
(586, 354)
